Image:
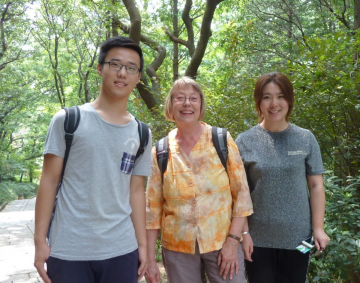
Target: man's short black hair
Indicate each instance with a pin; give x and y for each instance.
(119, 41)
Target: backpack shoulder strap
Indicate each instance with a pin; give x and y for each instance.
(143, 130)
(162, 154)
(72, 120)
(219, 137)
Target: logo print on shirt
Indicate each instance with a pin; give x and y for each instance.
(297, 152)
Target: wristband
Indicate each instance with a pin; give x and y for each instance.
(234, 237)
(246, 232)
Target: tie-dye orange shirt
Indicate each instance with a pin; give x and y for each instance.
(197, 199)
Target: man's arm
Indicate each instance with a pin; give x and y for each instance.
(45, 200)
(317, 204)
(153, 273)
(137, 202)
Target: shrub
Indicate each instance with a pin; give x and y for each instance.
(340, 262)
(11, 190)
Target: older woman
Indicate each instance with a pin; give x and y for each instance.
(281, 161)
(199, 207)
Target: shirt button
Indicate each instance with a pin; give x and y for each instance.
(188, 165)
(194, 202)
(191, 184)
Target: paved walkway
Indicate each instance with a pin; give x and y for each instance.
(16, 243)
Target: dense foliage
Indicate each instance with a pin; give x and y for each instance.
(48, 52)
(341, 260)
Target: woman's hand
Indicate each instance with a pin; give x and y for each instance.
(247, 246)
(321, 239)
(152, 274)
(228, 258)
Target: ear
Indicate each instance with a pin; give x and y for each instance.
(99, 69)
(139, 78)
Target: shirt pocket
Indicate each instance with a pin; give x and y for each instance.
(127, 163)
(181, 186)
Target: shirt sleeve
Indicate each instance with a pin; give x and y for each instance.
(154, 195)
(142, 166)
(313, 162)
(55, 139)
(242, 204)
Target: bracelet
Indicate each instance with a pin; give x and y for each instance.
(234, 237)
(246, 232)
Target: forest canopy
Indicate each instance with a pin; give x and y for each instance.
(48, 59)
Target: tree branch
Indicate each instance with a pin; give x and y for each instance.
(205, 33)
(135, 19)
(175, 39)
(33, 157)
(3, 43)
(341, 18)
(149, 95)
(188, 24)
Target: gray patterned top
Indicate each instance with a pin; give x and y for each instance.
(276, 165)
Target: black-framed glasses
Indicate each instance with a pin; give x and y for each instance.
(117, 67)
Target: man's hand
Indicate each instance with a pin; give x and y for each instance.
(228, 258)
(247, 246)
(143, 262)
(42, 253)
(152, 274)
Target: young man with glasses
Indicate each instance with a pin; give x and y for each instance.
(98, 233)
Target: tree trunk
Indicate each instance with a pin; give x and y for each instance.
(176, 45)
(356, 14)
(356, 61)
(357, 26)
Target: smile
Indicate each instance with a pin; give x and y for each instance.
(120, 84)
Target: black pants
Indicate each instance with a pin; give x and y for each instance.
(277, 266)
(121, 269)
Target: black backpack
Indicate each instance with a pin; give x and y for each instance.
(219, 139)
(72, 120)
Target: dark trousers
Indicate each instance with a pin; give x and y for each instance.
(277, 266)
(121, 269)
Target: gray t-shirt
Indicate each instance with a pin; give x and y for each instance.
(276, 165)
(92, 219)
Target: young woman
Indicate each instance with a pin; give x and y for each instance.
(281, 160)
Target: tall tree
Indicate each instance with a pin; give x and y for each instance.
(151, 95)
(13, 33)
